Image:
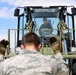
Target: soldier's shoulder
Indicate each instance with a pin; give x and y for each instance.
(49, 58)
(9, 60)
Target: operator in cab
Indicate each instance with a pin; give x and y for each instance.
(45, 28)
(31, 62)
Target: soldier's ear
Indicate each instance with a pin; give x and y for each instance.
(22, 47)
(39, 46)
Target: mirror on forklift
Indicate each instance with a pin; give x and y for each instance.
(73, 11)
(16, 12)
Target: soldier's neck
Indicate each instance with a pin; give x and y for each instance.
(2, 57)
(31, 47)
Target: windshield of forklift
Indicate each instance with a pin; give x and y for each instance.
(45, 19)
(45, 26)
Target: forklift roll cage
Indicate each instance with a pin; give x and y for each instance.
(31, 12)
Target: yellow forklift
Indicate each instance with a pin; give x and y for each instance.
(62, 21)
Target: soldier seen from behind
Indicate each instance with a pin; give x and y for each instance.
(55, 44)
(31, 62)
(3, 47)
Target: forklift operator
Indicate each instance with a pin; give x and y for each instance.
(44, 29)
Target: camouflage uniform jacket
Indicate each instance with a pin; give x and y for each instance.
(31, 62)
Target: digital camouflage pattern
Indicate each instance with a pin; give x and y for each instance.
(31, 62)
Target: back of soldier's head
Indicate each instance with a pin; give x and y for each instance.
(55, 43)
(2, 50)
(30, 38)
(3, 46)
(52, 40)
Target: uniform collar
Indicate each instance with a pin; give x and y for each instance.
(29, 51)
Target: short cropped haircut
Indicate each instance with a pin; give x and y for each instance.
(2, 50)
(3, 46)
(30, 38)
(52, 40)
